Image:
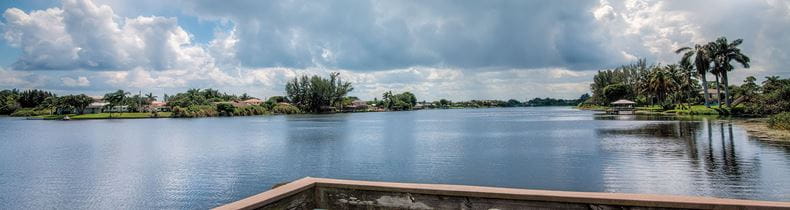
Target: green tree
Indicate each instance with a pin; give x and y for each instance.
(771, 84)
(315, 93)
(8, 101)
(700, 58)
(278, 99)
(244, 96)
(445, 103)
(722, 53)
(77, 102)
(32, 98)
(615, 92)
(661, 82)
(150, 97)
(115, 99)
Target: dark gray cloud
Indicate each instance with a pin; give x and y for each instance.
(365, 35)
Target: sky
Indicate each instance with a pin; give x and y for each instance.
(458, 50)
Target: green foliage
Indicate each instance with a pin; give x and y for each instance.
(32, 98)
(285, 109)
(775, 98)
(314, 93)
(555, 102)
(27, 112)
(397, 102)
(616, 92)
(696, 110)
(249, 111)
(8, 101)
(116, 98)
(133, 115)
(780, 121)
(631, 76)
(444, 103)
(226, 109)
(78, 102)
(279, 99)
(195, 111)
(513, 103)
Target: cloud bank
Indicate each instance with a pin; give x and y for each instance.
(437, 49)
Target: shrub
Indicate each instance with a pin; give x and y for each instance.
(195, 111)
(226, 109)
(249, 111)
(285, 109)
(27, 112)
(780, 121)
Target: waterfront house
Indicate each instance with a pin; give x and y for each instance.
(714, 94)
(116, 109)
(158, 106)
(95, 108)
(356, 105)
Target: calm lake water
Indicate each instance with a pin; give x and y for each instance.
(203, 163)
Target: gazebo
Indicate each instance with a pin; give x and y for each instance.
(623, 106)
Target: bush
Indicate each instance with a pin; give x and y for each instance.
(195, 111)
(226, 109)
(285, 109)
(780, 121)
(249, 111)
(27, 112)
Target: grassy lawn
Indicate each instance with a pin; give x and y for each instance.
(592, 107)
(696, 110)
(130, 115)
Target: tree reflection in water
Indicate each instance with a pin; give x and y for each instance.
(662, 148)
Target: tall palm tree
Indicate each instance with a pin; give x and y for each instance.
(722, 53)
(115, 98)
(699, 57)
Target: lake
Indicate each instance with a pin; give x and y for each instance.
(206, 162)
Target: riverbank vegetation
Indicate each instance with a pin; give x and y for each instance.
(97, 116)
(317, 94)
(683, 88)
(780, 121)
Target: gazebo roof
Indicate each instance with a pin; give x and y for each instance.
(623, 101)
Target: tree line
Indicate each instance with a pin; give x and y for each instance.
(680, 85)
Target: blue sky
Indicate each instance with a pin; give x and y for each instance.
(458, 50)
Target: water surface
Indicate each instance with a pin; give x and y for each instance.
(203, 163)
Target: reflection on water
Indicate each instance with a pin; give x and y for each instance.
(692, 157)
(202, 163)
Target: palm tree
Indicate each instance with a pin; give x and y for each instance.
(686, 84)
(150, 97)
(770, 84)
(388, 100)
(722, 53)
(660, 84)
(115, 98)
(701, 61)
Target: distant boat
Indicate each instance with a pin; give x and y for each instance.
(66, 118)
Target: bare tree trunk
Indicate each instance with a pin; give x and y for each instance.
(705, 90)
(726, 89)
(718, 90)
